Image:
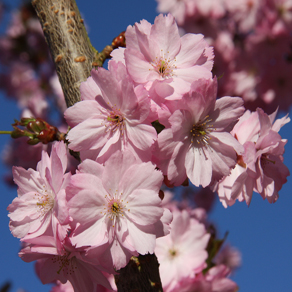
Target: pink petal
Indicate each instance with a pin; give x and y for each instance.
(139, 68)
(165, 32)
(144, 207)
(230, 109)
(198, 165)
(89, 89)
(90, 134)
(192, 47)
(82, 111)
(22, 178)
(89, 186)
(142, 136)
(143, 240)
(135, 178)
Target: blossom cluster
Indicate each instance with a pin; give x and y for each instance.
(152, 117)
(260, 168)
(252, 44)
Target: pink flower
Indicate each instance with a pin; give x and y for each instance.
(198, 144)
(22, 83)
(181, 254)
(230, 257)
(180, 9)
(214, 280)
(260, 168)
(41, 202)
(65, 264)
(245, 12)
(117, 204)
(282, 22)
(13, 155)
(58, 92)
(210, 8)
(157, 52)
(113, 115)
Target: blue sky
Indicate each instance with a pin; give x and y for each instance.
(262, 232)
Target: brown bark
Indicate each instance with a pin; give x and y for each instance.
(68, 42)
(74, 57)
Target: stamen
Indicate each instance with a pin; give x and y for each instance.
(115, 207)
(45, 200)
(64, 262)
(173, 253)
(164, 66)
(114, 120)
(265, 160)
(67, 265)
(200, 132)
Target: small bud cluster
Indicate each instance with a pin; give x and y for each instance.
(37, 130)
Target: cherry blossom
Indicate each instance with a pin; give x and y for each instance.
(182, 253)
(198, 144)
(41, 201)
(113, 115)
(245, 12)
(157, 52)
(230, 257)
(180, 9)
(118, 204)
(215, 280)
(66, 264)
(260, 168)
(210, 8)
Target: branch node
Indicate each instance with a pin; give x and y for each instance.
(80, 59)
(43, 16)
(59, 58)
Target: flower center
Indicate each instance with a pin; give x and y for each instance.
(265, 160)
(45, 202)
(68, 265)
(173, 253)
(115, 207)
(164, 66)
(114, 121)
(200, 132)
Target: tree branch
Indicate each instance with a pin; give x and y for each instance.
(69, 44)
(140, 275)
